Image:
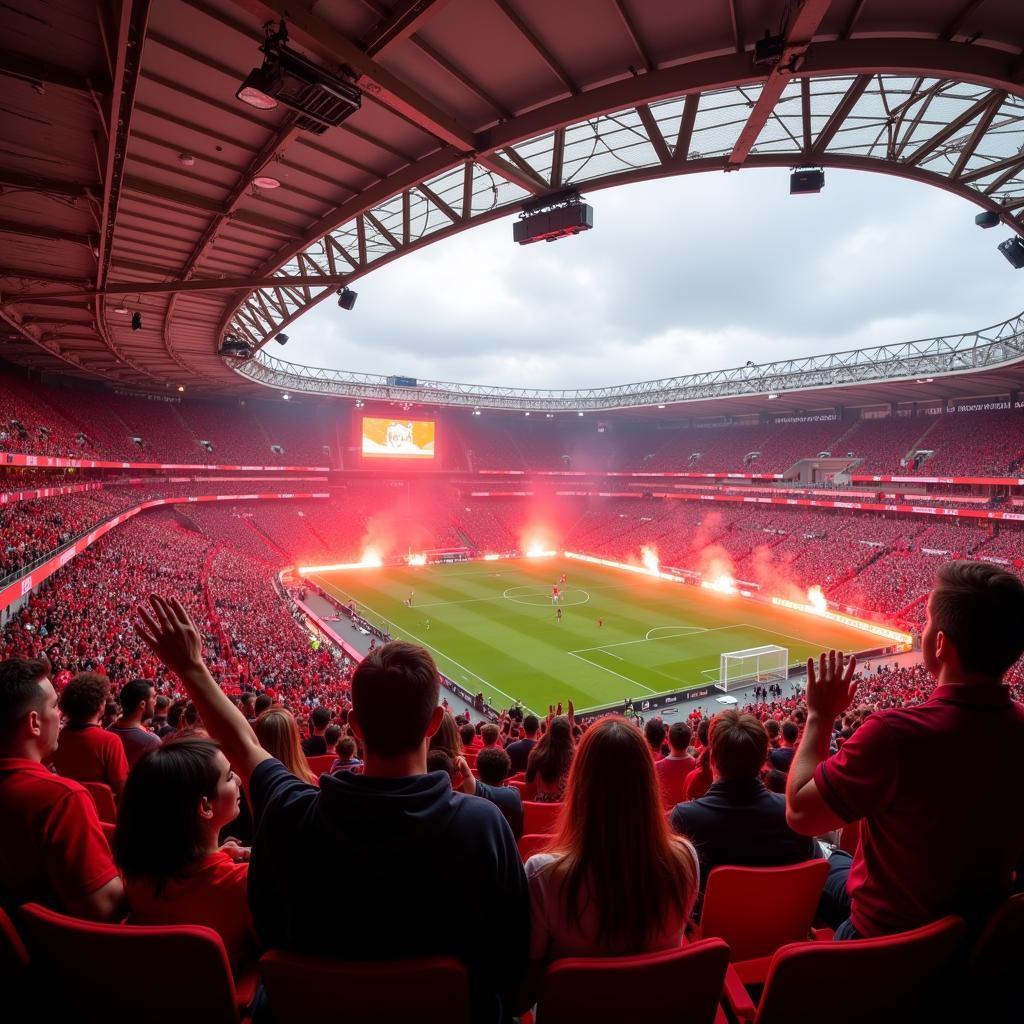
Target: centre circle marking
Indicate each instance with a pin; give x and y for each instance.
(539, 596)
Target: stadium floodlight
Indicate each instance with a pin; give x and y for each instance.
(281, 339)
(136, 321)
(552, 216)
(987, 219)
(805, 181)
(767, 664)
(1013, 250)
(346, 298)
(323, 100)
(769, 49)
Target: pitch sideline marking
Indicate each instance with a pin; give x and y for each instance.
(604, 668)
(441, 654)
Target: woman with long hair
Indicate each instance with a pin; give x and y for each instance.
(548, 764)
(176, 800)
(278, 733)
(616, 881)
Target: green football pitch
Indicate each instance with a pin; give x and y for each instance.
(492, 628)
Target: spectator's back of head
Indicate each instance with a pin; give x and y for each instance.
(439, 761)
(84, 697)
(447, 737)
(493, 766)
(679, 736)
(654, 731)
(977, 607)
(467, 734)
(346, 748)
(790, 731)
(263, 701)
(776, 781)
(531, 724)
(395, 694)
(489, 734)
(319, 719)
(278, 733)
(739, 745)
(331, 735)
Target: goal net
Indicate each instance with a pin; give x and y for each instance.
(768, 664)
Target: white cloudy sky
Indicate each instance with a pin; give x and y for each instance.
(693, 273)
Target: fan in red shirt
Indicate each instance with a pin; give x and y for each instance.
(177, 800)
(85, 751)
(52, 848)
(674, 770)
(933, 840)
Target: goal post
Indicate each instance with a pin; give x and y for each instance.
(768, 664)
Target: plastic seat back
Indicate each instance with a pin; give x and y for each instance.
(531, 844)
(896, 978)
(302, 988)
(539, 818)
(757, 910)
(321, 763)
(103, 797)
(994, 986)
(79, 956)
(849, 837)
(681, 985)
(17, 995)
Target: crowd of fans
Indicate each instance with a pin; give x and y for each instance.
(219, 814)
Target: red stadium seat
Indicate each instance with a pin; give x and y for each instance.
(757, 910)
(994, 990)
(304, 989)
(531, 844)
(103, 797)
(14, 970)
(680, 985)
(517, 784)
(849, 837)
(321, 763)
(891, 980)
(79, 956)
(539, 818)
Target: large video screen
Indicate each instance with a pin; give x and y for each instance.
(397, 438)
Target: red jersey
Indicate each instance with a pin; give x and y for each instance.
(940, 789)
(52, 847)
(672, 775)
(211, 892)
(91, 754)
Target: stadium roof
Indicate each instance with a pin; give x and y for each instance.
(129, 170)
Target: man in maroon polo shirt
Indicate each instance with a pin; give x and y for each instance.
(938, 836)
(85, 751)
(52, 848)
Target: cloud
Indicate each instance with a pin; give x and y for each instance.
(678, 276)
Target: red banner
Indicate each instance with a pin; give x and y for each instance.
(9, 497)
(32, 579)
(54, 462)
(1004, 481)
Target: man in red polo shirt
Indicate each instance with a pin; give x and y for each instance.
(86, 752)
(52, 848)
(938, 836)
(674, 770)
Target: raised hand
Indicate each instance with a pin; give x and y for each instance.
(170, 633)
(830, 690)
